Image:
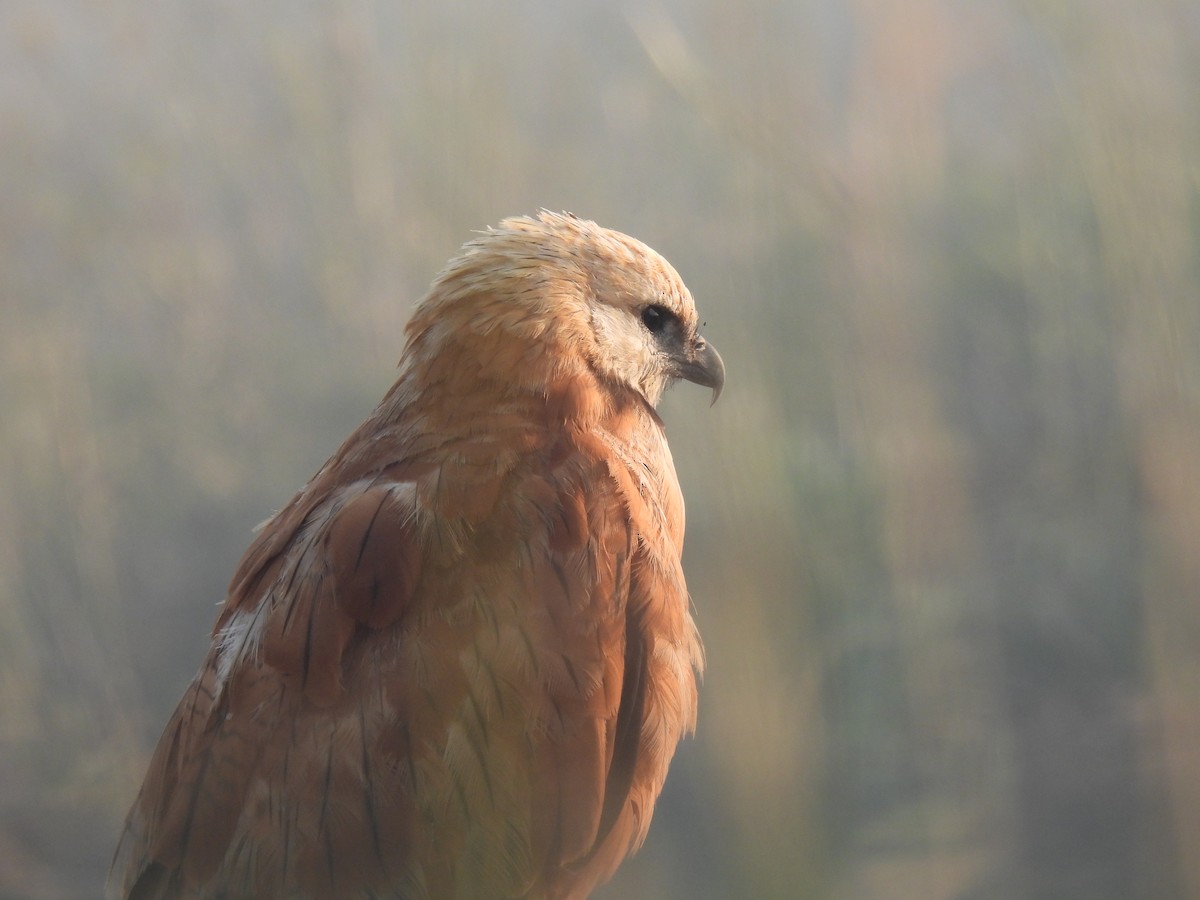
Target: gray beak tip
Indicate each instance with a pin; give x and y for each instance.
(706, 368)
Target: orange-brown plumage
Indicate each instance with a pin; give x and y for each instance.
(458, 662)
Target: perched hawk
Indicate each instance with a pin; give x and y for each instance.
(457, 663)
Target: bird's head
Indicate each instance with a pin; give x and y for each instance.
(572, 294)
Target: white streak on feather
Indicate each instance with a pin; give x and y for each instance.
(240, 639)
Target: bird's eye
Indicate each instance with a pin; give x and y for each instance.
(655, 318)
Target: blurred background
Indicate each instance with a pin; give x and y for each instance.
(943, 525)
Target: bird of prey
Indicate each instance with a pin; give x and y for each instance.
(458, 662)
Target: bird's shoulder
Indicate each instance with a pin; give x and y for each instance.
(407, 494)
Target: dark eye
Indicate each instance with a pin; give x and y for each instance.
(655, 318)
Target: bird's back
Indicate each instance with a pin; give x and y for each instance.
(438, 675)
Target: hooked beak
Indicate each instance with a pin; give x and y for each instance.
(703, 366)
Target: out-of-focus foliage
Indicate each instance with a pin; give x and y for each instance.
(944, 525)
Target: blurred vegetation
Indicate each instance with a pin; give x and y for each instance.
(943, 525)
